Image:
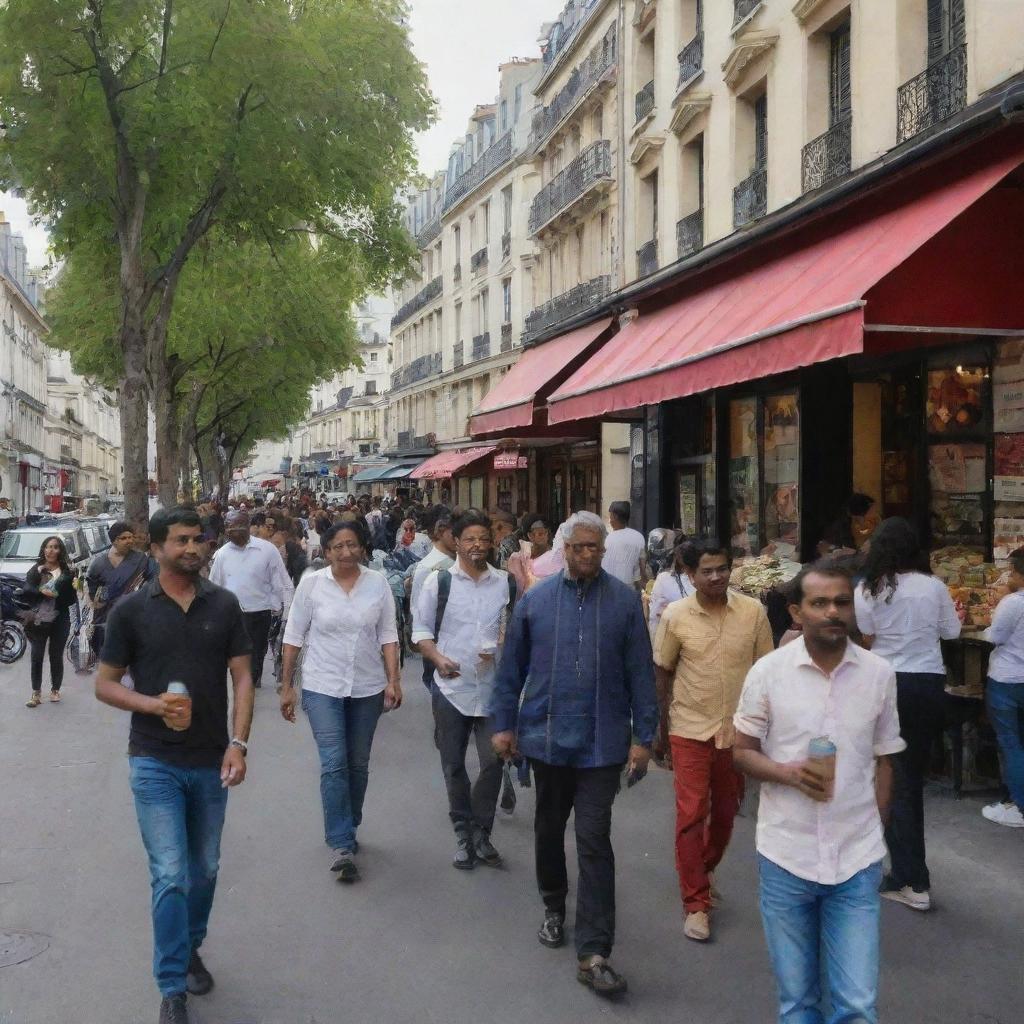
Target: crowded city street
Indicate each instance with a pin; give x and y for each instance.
(413, 940)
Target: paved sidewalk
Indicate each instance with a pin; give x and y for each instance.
(416, 942)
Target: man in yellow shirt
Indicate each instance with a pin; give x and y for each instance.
(704, 647)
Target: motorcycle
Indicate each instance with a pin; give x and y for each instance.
(13, 642)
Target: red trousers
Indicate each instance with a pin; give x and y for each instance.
(708, 795)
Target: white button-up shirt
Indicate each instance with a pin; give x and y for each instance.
(471, 625)
(622, 552)
(787, 701)
(433, 559)
(255, 574)
(1006, 665)
(907, 627)
(668, 587)
(343, 633)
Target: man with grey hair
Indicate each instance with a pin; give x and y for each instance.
(590, 711)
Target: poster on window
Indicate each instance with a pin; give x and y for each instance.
(1009, 467)
(955, 400)
(1008, 536)
(1009, 361)
(1008, 406)
(957, 468)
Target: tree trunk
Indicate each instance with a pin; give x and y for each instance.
(168, 454)
(133, 402)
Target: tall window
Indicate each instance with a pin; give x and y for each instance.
(599, 122)
(504, 116)
(518, 109)
(506, 209)
(761, 132)
(457, 242)
(839, 102)
(946, 27)
(506, 300)
(485, 216)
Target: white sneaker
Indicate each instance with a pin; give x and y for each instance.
(1004, 814)
(909, 897)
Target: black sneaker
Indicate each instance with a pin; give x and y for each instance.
(198, 980)
(552, 931)
(173, 1010)
(345, 867)
(484, 849)
(600, 977)
(465, 857)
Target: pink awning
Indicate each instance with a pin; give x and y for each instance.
(447, 464)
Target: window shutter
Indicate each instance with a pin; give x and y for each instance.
(839, 79)
(957, 24)
(699, 143)
(761, 132)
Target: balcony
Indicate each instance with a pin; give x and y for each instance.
(644, 102)
(404, 439)
(478, 261)
(459, 357)
(690, 233)
(457, 274)
(590, 169)
(582, 79)
(750, 198)
(492, 160)
(408, 441)
(429, 232)
(506, 337)
(691, 60)
(937, 93)
(565, 306)
(743, 9)
(647, 259)
(482, 346)
(419, 369)
(506, 245)
(827, 157)
(575, 15)
(422, 298)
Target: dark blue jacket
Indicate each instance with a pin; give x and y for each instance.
(583, 655)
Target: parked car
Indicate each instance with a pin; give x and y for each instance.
(96, 533)
(19, 549)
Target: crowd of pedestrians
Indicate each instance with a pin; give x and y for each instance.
(538, 650)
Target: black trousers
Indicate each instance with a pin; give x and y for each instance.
(469, 806)
(55, 635)
(257, 624)
(920, 700)
(591, 792)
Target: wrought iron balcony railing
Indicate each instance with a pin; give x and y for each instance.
(418, 369)
(575, 16)
(422, 298)
(937, 93)
(593, 165)
(404, 439)
(506, 245)
(691, 60)
(750, 198)
(459, 355)
(647, 258)
(491, 160)
(565, 306)
(644, 102)
(429, 232)
(827, 157)
(482, 346)
(690, 233)
(582, 79)
(506, 337)
(478, 260)
(743, 8)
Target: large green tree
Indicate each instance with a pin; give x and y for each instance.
(147, 123)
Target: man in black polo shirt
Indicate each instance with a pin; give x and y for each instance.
(180, 628)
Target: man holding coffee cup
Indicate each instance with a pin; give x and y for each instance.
(817, 723)
(180, 635)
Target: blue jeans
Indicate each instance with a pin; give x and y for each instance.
(181, 816)
(802, 921)
(343, 728)
(1006, 713)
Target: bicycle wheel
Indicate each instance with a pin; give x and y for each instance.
(13, 642)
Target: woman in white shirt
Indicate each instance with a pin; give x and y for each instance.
(344, 618)
(671, 585)
(903, 612)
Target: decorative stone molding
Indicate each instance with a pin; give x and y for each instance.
(805, 9)
(688, 110)
(748, 47)
(644, 147)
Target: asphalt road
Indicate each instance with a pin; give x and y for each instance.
(416, 942)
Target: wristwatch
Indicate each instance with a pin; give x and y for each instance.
(241, 744)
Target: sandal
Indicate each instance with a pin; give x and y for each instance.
(55, 696)
(34, 701)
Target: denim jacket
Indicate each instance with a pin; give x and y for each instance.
(582, 654)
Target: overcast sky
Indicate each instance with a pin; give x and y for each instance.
(461, 42)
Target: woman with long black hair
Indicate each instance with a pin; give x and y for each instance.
(903, 612)
(51, 582)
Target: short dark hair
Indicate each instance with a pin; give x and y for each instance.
(695, 550)
(1017, 560)
(859, 504)
(831, 568)
(258, 519)
(162, 521)
(501, 516)
(356, 526)
(622, 510)
(116, 529)
(432, 516)
(471, 517)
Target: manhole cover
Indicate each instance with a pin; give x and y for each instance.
(17, 947)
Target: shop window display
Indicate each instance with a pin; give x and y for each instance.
(782, 475)
(744, 479)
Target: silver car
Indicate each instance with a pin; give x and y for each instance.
(19, 548)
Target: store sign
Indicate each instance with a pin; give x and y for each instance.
(511, 460)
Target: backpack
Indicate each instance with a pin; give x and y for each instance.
(444, 589)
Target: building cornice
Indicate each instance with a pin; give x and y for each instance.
(748, 47)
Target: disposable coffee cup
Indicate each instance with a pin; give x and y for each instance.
(821, 753)
(181, 690)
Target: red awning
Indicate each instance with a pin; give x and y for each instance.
(511, 403)
(447, 464)
(804, 303)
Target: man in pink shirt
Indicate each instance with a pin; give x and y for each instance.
(819, 828)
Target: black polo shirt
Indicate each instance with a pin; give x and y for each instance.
(150, 635)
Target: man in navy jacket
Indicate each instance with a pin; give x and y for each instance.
(579, 646)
